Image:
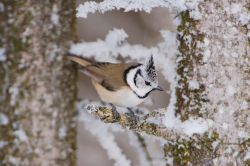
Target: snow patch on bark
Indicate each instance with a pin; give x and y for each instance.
(2, 54)
(225, 70)
(21, 135)
(4, 120)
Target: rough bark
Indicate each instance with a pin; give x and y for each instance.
(37, 86)
(215, 67)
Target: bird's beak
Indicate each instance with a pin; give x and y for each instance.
(158, 88)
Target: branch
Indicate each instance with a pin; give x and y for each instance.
(131, 121)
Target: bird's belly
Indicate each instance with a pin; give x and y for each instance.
(124, 97)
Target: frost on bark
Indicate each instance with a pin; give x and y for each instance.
(214, 52)
(37, 86)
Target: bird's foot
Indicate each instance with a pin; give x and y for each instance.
(115, 113)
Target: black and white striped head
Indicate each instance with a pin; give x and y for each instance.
(143, 78)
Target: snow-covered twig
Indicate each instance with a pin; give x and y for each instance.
(140, 145)
(127, 5)
(139, 124)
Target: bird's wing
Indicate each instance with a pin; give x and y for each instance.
(109, 75)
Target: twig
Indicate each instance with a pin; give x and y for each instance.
(133, 122)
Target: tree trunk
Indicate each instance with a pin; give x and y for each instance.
(37, 86)
(214, 51)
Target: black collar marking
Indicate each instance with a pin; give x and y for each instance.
(127, 71)
(136, 75)
(138, 72)
(146, 95)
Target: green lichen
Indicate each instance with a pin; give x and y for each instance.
(245, 146)
(5, 96)
(188, 101)
(197, 151)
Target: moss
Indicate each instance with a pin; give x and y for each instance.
(108, 116)
(189, 56)
(244, 148)
(5, 96)
(197, 151)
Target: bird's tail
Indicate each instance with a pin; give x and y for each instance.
(88, 67)
(80, 60)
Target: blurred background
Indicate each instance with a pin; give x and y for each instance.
(142, 28)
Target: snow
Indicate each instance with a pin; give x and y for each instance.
(126, 5)
(154, 120)
(194, 126)
(242, 135)
(193, 8)
(103, 135)
(193, 84)
(236, 8)
(2, 54)
(21, 135)
(230, 91)
(14, 91)
(244, 18)
(195, 14)
(62, 132)
(14, 160)
(1, 7)
(54, 17)
(116, 37)
(240, 12)
(115, 44)
(215, 144)
(133, 140)
(4, 120)
(3, 144)
(139, 5)
(170, 161)
(189, 127)
(244, 105)
(247, 155)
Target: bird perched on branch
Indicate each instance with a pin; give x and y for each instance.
(122, 84)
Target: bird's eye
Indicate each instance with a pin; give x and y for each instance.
(147, 83)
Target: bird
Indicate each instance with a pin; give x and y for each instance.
(120, 84)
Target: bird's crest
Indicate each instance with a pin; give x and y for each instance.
(150, 69)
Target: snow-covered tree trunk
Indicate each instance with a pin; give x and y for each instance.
(214, 84)
(37, 85)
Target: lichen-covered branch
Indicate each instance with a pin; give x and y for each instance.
(130, 120)
(198, 149)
